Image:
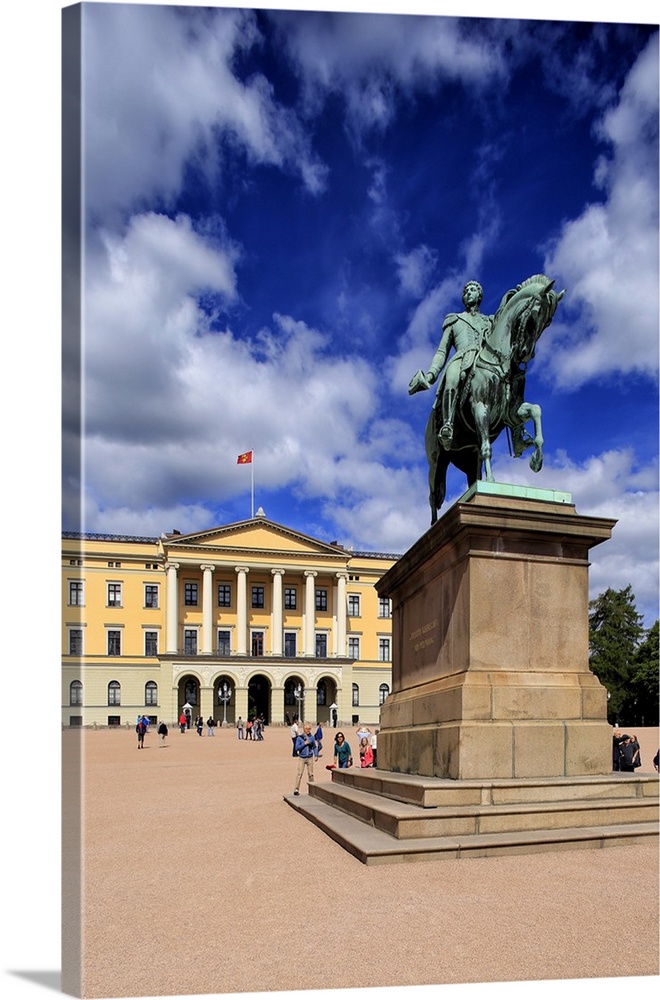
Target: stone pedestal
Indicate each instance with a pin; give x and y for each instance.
(490, 623)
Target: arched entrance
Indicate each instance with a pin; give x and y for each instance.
(326, 695)
(188, 695)
(224, 705)
(294, 706)
(259, 697)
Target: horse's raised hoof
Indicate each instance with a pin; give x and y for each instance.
(536, 462)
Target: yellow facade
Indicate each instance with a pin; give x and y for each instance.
(288, 623)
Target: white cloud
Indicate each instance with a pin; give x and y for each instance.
(160, 91)
(415, 269)
(608, 257)
(612, 484)
(371, 60)
(172, 400)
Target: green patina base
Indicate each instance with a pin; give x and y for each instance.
(511, 490)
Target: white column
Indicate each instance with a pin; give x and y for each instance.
(310, 609)
(341, 614)
(276, 617)
(207, 609)
(241, 611)
(172, 638)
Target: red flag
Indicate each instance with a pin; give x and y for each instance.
(245, 458)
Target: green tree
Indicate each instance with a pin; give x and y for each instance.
(646, 678)
(615, 633)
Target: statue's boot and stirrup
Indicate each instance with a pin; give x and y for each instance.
(448, 410)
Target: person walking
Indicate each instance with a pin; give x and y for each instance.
(182, 722)
(342, 752)
(318, 736)
(141, 730)
(248, 729)
(295, 732)
(199, 725)
(162, 732)
(307, 753)
(240, 727)
(210, 725)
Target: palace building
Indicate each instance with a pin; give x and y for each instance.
(251, 618)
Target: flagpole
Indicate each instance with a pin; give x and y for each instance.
(252, 484)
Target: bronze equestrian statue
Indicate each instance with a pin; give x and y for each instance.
(482, 388)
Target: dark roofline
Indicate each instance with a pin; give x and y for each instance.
(101, 537)
(375, 555)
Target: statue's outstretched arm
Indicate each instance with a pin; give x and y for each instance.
(440, 356)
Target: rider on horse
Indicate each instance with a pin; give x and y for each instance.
(466, 332)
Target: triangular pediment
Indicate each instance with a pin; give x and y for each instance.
(257, 535)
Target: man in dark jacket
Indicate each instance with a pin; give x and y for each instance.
(630, 758)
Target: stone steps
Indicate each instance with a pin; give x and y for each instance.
(405, 821)
(428, 792)
(378, 818)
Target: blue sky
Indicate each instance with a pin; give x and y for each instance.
(281, 207)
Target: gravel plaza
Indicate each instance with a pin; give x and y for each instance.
(196, 877)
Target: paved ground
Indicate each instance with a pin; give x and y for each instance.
(198, 878)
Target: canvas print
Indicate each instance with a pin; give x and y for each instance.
(359, 500)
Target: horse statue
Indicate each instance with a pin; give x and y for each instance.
(492, 391)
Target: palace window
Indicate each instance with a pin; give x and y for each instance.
(151, 643)
(151, 595)
(190, 592)
(224, 642)
(321, 645)
(75, 693)
(321, 599)
(383, 692)
(354, 605)
(190, 641)
(384, 607)
(258, 597)
(151, 693)
(114, 595)
(290, 598)
(224, 595)
(76, 593)
(75, 641)
(289, 643)
(355, 695)
(114, 643)
(257, 644)
(114, 693)
(384, 650)
(354, 647)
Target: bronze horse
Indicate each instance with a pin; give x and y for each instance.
(491, 395)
